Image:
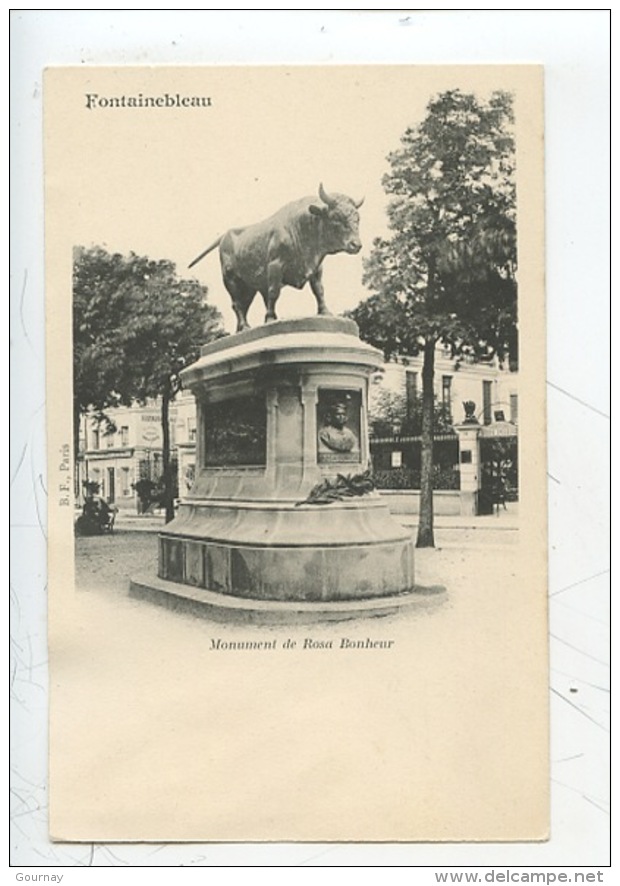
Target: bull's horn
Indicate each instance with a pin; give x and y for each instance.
(358, 203)
(331, 201)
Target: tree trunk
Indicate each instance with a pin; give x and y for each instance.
(425, 525)
(165, 435)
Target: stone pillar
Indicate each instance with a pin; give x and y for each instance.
(469, 466)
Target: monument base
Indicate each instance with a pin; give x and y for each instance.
(282, 508)
(281, 551)
(234, 610)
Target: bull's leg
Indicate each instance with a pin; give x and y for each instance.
(274, 285)
(242, 296)
(316, 284)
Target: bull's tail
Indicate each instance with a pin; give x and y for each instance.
(206, 252)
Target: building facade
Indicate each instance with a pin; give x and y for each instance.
(492, 387)
(117, 458)
(491, 392)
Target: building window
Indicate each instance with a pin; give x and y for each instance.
(191, 430)
(110, 441)
(95, 438)
(125, 488)
(514, 409)
(487, 387)
(446, 396)
(95, 477)
(124, 436)
(411, 392)
(111, 491)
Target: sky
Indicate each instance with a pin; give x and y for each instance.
(166, 182)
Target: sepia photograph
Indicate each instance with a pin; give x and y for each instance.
(300, 327)
(310, 427)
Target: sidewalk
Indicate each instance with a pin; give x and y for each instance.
(141, 522)
(505, 520)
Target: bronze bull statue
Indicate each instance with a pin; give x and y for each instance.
(286, 249)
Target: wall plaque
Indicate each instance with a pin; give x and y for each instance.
(235, 433)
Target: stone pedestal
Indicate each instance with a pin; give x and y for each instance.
(469, 465)
(282, 411)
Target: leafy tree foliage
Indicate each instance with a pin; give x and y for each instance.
(447, 271)
(390, 409)
(135, 326)
(100, 379)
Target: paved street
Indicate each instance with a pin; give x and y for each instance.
(107, 562)
(463, 546)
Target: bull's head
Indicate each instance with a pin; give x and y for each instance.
(332, 201)
(341, 219)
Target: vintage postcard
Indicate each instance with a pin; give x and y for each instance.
(296, 437)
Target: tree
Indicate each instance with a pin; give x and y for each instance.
(447, 271)
(136, 325)
(100, 378)
(388, 410)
